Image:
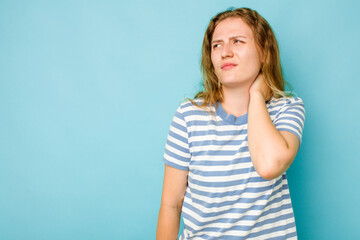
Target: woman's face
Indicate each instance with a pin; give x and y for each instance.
(234, 53)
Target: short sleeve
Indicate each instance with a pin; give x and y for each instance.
(177, 153)
(291, 117)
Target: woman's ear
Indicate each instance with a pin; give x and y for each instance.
(262, 58)
(261, 55)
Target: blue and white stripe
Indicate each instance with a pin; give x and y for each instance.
(225, 197)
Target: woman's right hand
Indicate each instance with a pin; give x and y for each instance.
(259, 86)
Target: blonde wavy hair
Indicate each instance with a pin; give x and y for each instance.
(266, 41)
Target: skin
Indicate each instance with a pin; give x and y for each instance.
(233, 42)
(174, 187)
(245, 91)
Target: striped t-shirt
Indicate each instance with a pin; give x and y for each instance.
(225, 197)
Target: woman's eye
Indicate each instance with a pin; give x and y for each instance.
(216, 45)
(238, 41)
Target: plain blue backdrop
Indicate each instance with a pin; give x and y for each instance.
(88, 90)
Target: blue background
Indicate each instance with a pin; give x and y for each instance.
(88, 90)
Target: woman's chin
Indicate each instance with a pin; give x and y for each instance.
(236, 83)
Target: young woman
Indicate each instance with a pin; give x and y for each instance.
(228, 149)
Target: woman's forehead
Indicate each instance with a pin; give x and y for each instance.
(231, 27)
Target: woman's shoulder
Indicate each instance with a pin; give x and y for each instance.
(285, 101)
(187, 102)
(193, 107)
(192, 104)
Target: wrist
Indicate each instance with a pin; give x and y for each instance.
(255, 94)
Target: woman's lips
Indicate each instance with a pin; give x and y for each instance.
(227, 66)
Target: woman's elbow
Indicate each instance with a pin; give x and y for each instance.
(267, 174)
(274, 168)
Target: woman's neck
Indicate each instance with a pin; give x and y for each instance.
(236, 100)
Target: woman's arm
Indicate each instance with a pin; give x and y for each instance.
(175, 182)
(271, 151)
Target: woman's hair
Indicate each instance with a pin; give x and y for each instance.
(265, 40)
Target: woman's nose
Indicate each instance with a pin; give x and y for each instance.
(227, 51)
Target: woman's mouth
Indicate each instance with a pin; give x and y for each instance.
(228, 66)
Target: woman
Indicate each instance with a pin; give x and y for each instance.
(228, 149)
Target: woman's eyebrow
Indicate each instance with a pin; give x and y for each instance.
(219, 40)
(216, 41)
(238, 36)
